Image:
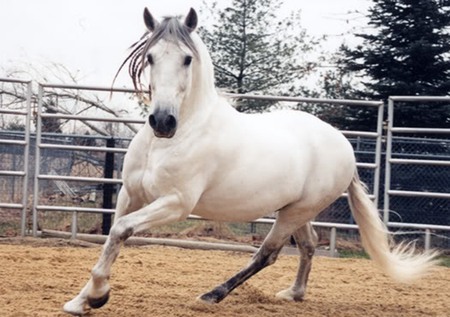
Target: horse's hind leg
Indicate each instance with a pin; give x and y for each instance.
(287, 222)
(306, 239)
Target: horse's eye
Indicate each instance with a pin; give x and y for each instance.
(187, 60)
(150, 59)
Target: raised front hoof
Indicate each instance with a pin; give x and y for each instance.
(98, 302)
(213, 297)
(290, 295)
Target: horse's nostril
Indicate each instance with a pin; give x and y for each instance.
(170, 122)
(152, 121)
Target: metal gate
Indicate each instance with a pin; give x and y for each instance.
(417, 177)
(17, 174)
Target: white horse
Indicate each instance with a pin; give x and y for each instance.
(198, 155)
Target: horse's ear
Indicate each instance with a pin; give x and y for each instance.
(150, 21)
(191, 20)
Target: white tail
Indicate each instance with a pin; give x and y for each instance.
(400, 263)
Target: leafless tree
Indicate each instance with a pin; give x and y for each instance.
(58, 100)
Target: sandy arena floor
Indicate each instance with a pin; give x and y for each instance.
(37, 278)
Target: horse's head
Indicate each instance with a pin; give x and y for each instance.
(170, 52)
(181, 72)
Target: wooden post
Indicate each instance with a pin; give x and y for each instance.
(108, 189)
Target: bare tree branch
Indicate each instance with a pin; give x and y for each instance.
(14, 95)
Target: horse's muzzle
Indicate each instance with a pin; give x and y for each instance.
(163, 123)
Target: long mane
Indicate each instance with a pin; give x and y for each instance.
(170, 29)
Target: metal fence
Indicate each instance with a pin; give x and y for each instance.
(15, 109)
(76, 136)
(417, 178)
(93, 173)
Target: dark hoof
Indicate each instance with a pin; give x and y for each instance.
(299, 298)
(98, 302)
(215, 296)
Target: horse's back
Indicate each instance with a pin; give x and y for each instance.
(304, 138)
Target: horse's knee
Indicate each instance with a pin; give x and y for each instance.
(120, 231)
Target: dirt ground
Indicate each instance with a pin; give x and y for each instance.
(38, 276)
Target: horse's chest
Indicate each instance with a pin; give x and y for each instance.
(153, 179)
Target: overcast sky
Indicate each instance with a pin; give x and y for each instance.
(91, 37)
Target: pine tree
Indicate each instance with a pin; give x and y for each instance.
(405, 53)
(253, 51)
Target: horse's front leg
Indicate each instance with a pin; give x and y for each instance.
(162, 211)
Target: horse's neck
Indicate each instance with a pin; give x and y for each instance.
(203, 80)
(203, 97)
(198, 105)
(203, 94)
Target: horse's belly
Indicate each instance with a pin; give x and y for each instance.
(245, 202)
(232, 212)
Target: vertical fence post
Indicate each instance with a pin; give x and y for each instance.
(427, 239)
(74, 225)
(387, 172)
(252, 227)
(333, 242)
(108, 189)
(377, 172)
(26, 160)
(37, 159)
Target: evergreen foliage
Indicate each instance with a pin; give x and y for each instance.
(253, 51)
(405, 52)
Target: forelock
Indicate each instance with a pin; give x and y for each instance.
(170, 29)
